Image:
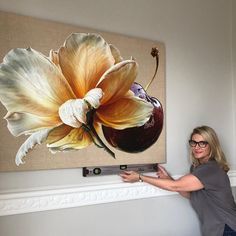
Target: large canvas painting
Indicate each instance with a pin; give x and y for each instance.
(78, 97)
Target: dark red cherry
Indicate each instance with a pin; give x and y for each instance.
(138, 139)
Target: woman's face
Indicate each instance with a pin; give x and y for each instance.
(201, 151)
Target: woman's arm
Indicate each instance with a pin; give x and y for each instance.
(182, 185)
(163, 174)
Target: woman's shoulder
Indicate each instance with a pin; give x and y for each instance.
(210, 173)
(207, 166)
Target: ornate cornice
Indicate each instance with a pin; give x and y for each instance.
(76, 196)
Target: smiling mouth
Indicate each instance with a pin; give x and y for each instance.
(198, 152)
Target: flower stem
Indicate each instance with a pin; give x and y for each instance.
(101, 142)
(91, 129)
(154, 53)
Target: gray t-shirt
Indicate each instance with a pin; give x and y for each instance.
(214, 203)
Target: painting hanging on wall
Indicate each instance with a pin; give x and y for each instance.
(75, 97)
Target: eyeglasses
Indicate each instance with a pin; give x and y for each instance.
(201, 144)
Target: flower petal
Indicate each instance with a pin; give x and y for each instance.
(30, 82)
(83, 60)
(116, 54)
(116, 81)
(36, 138)
(53, 56)
(125, 113)
(25, 123)
(74, 139)
(73, 112)
(93, 97)
(58, 133)
(32, 89)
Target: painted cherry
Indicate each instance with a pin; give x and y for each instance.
(138, 139)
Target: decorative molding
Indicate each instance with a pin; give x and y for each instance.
(52, 199)
(232, 177)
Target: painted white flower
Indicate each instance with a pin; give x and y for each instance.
(52, 98)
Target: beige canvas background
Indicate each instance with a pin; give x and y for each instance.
(22, 32)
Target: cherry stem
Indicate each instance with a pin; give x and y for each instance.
(154, 53)
(91, 129)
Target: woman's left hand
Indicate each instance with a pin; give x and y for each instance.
(130, 176)
(162, 173)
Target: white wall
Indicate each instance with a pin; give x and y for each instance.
(168, 216)
(198, 38)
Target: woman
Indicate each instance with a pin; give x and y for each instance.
(207, 186)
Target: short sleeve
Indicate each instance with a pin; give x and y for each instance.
(210, 175)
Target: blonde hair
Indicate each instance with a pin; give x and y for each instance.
(216, 152)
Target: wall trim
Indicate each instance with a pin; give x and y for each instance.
(67, 197)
